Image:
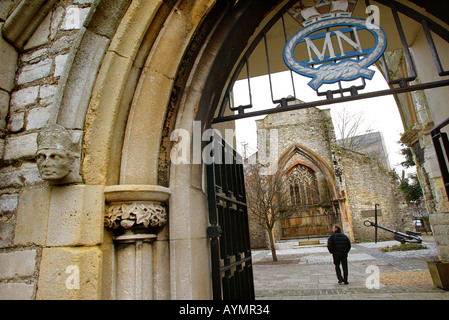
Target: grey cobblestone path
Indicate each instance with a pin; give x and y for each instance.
(307, 273)
(393, 259)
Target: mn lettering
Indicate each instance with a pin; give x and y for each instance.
(329, 47)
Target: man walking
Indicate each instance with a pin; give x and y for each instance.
(339, 245)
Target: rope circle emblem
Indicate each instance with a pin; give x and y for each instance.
(348, 69)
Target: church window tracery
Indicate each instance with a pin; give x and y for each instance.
(303, 186)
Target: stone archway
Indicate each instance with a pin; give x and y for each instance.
(318, 161)
(184, 241)
(148, 95)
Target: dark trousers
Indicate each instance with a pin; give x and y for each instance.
(343, 260)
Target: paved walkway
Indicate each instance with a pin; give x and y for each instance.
(307, 272)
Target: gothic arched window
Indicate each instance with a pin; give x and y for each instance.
(303, 186)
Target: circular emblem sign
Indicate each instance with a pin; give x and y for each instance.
(350, 66)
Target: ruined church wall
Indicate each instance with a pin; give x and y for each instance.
(308, 127)
(368, 183)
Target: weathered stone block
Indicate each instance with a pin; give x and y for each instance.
(60, 63)
(41, 35)
(24, 98)
(4, 108)
(34, 56)
(8, 203)
(16, 122)
(29, 174)
(35, 71)
(6, 234)
(32, 217)
(23, 146)
(10, 179)
(17, 264)
(70, 273)
(8, 66)
(16, 291)
(74, 18)
(62, 43)
(76, 216)
(26, 175)
(46, 94)
(57, 16)
(38, 118)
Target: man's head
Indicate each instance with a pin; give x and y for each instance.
(55, 155)
(336, 228)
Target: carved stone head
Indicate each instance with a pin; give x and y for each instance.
(57, 158)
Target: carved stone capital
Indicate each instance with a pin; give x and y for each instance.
(151, 215)
(412, 134)
(140, 207)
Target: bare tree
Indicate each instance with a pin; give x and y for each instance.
(268, 199)
(351, 127)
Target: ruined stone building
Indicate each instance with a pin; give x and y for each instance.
(329, 184)
(97, 96)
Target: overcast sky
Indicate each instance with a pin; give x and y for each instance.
(381, 113)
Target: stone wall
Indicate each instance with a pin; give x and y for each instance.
(80, 64)
(307, 127)
(367, 183)
(32, 68)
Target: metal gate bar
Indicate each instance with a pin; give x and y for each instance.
(380, 93)
(232, 274)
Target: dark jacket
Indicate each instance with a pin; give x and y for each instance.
(338, 243)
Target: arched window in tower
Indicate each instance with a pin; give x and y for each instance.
(303, 186)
